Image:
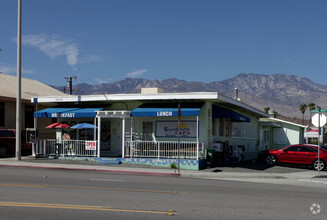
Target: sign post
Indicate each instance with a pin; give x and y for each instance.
(321, 122)
(319, 108)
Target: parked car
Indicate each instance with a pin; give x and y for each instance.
(298, 154)
(8, 143)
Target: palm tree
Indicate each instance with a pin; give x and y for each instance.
(303, 108)
(311, 106)
(275, 114)
(267, 109)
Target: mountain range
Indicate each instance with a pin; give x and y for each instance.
(280, 92)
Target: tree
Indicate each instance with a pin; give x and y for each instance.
(275, 114)
(311, 106)
(267, 109)
(303, 108)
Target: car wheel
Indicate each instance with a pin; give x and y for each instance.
(3, 151)
(271, 160)
(319, 166)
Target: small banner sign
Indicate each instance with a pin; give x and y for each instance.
(90, 145)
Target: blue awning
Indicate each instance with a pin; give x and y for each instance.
(218, 112)
(164, 112)
(67, 113)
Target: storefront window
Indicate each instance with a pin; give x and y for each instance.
(227, 128)
(2, 114)
(236, 129)
(221, 127)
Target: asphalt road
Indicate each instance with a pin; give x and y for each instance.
(59, 194)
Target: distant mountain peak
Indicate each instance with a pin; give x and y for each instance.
(281, 92)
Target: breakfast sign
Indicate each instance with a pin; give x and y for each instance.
(170, 129)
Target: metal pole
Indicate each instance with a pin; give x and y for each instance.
(197, 137)
(35, 128)
(19, 81)
(123, 138)
(99, 135)
(131, 150)
(95, 129)
(319, 132)
(179, 138)
(71, 86)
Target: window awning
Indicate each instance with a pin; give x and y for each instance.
(218, 112)
(164, 112)
(67, 113)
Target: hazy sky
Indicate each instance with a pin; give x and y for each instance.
(195, 40)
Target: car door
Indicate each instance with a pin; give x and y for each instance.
(305, 154)
(288, 154)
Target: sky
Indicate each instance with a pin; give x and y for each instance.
(104, 41)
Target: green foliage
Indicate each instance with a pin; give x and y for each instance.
(275, 114)
(303, 108)
(267, 109)
(312, 106)
(174, 166)
(314, 141)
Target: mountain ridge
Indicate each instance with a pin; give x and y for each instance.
(281, 92)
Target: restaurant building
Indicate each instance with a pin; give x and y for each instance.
(151, 127)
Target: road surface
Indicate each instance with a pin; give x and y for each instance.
(59, 194)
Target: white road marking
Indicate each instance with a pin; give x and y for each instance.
(109, 180)
(314, 181)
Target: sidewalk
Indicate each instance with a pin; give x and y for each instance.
(244, 172)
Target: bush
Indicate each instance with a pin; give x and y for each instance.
(314, 141)
(174, 166)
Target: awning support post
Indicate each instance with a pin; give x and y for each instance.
(35, 128)
(131, 149)
(99, 135)
(95, 130)
(197, 137)
(123, 138)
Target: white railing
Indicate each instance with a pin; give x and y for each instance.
(52, 147)
(163, 149)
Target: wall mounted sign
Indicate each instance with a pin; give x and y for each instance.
(170, 129)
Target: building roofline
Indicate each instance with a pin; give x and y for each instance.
(283, 121)
(210, 96)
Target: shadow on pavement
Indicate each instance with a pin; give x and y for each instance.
(254, 166)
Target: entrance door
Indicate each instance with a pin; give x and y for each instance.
(264, 139)
(147, 131)
(105, 138)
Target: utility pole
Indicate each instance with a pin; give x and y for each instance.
(19, 82)
(70, 84)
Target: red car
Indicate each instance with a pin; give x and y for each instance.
(8, 143)
(299, 154)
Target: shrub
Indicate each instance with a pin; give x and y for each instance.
(174, 166)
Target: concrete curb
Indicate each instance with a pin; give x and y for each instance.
(96, 170)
